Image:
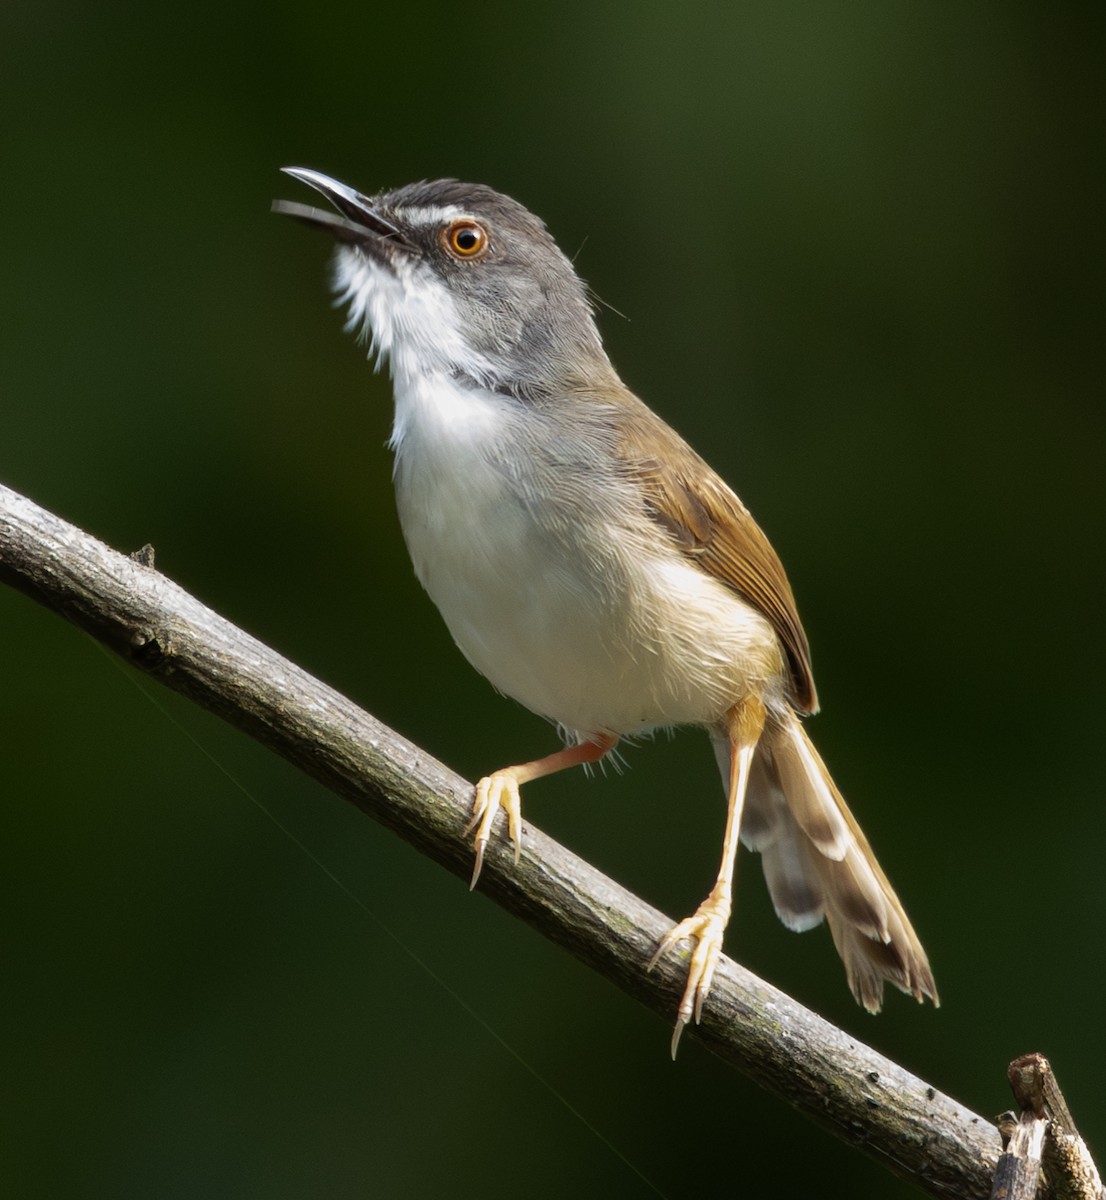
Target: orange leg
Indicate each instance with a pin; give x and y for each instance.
(744, 723)
(500, 790)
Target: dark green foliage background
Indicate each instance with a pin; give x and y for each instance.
(859, 249)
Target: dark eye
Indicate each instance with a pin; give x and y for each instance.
(465, 239)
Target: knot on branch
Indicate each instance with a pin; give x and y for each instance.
(151, 649)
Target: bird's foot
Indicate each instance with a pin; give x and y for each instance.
(494, 792)
(707, 925)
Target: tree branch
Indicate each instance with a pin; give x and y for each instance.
(857, 1094)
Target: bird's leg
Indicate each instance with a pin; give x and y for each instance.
(500, 790)
(707, 925)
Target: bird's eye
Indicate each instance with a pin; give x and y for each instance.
(465, 239)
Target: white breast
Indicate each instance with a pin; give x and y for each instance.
(574, 608)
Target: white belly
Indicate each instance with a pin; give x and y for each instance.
(575, 608)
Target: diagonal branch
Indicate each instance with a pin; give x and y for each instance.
(857, 1094)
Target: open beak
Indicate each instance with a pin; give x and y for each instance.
(357, 222)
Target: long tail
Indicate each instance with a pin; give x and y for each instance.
(817, 863)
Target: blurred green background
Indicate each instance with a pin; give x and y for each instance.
(858, 247)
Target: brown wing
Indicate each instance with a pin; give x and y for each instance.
(713, 527)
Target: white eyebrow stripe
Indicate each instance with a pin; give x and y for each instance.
(432, 214)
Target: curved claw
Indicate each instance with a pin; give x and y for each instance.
(707, 925)
(493, 792)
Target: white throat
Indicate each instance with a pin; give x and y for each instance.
(406, 314)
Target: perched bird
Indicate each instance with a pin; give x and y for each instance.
(590, 563)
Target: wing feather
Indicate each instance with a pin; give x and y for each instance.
(709, 523)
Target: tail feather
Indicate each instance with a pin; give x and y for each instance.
(817, 862)
(793, 884)
(811, 797)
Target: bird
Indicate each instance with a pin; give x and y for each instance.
(590, 564)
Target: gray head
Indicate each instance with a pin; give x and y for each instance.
(457, 278)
